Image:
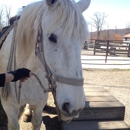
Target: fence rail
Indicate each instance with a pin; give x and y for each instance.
(110, 47)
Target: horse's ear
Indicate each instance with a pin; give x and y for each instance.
(83, 4)
(50, 2)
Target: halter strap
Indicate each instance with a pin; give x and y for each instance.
(69, 81)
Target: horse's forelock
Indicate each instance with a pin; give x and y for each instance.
(26, 29)
(70, 18)
(66, 14)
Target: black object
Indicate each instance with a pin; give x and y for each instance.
(19, 74)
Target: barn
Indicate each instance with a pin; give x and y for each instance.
(126, 38)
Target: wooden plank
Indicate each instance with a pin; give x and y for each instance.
(91, 93)
(102, 114)
(94, 89)
(95, 125)
(102, 111)
(101, 99)
(102, 104)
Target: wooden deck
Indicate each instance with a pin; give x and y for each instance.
(102, 111)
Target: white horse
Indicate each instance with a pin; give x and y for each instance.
(64, 31)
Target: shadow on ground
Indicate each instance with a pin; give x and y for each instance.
(50, 122)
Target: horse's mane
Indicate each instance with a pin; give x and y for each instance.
(66, 14)
(26, 32)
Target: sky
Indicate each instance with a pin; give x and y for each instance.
(117, 11)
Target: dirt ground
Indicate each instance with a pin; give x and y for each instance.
(116, 81)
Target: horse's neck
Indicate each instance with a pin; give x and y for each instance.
(28, 61)
(4, 53)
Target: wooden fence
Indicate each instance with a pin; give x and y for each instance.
(110, 47)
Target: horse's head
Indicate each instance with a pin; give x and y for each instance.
(64, 32)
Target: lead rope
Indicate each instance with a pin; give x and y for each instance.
(16, 22)
(53, 90)
(39, 81)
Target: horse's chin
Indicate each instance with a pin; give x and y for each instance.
(68, 118)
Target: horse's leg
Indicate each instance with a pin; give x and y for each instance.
(12, 114)
(37, 115)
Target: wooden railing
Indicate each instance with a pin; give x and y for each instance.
(109, 47)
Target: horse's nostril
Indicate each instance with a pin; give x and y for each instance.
(68, 111)
(65, 107)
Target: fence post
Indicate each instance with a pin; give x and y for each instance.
(129, 51)
(94, 48)
(107, 50)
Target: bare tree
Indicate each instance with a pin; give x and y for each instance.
(1, 17)
(7, 13)
(97, 21)
(128, 28)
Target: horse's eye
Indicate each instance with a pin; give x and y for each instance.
(53, 38)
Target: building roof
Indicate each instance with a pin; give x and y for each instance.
(127, 35)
